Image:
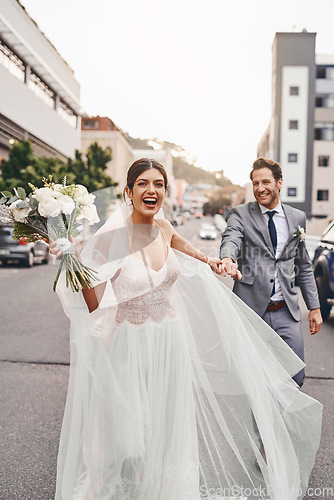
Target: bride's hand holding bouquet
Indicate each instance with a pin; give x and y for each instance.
(53, 213)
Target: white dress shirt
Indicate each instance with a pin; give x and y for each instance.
(282, 230)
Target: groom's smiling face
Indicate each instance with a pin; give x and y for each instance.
(266, 188)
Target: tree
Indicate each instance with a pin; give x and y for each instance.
(23, 167)
(91, 173)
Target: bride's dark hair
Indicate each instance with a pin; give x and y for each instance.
(140, 166)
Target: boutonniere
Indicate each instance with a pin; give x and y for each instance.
(300, 233)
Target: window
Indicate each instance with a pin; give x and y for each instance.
(324, 131)
(292, 157)
(41, 89)
(294, 90)
(67, 113)
(321, 72)
(90, 124)
(325, 72)
(12, 62)
(322, 195)
(293, 124)
(324, 101)
(292, 191)
(319, 102)
(323, 161)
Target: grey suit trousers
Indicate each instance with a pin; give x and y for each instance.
(290, 331)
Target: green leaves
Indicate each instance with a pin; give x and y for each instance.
(23, 204)
(21, 193)
(8, 194)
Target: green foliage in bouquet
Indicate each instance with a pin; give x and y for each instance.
(53, 213)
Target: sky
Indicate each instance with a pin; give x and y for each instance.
(193, 72)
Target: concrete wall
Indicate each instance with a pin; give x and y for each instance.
(15, 16)
(23, 107)
(121, 151)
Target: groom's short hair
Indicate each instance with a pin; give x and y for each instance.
(266, 163)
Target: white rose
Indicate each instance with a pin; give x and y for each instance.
(80, 193)
(49, 207)
(43, 193)
(89, 212)
(19, 214)
(66, 203)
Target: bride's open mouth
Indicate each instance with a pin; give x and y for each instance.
(150, 202)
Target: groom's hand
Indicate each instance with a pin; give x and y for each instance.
(315, 320)
(229, 267)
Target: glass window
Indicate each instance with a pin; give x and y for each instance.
(330, 73)
(90, 124)
(323, 161)
(41, 89)
(321, 72)
(12, 62)
(67, 113)
(324, 101)
(293, 124)
(294, 90)
(319, 102)
(324, 131)
(322, 194)
(292, 157)
(292, 191)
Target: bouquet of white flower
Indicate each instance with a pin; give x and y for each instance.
(53, 213)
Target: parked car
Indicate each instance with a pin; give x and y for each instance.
(311, 243)
(323, 267)
(208, 232)
(21, 250)
(177, 220)
(220, 223)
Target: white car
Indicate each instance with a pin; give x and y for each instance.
(208, 232)
(220, 222)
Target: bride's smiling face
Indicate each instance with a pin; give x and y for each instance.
(148, 193)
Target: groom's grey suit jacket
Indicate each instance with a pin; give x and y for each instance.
(246, 240)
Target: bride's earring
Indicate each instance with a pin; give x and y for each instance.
(129, 204)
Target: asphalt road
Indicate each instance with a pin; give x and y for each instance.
(34, 359)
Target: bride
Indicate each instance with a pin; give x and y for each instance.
(168, 371)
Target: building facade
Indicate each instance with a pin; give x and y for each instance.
(102, 130)
(39, 95)
(300, 135)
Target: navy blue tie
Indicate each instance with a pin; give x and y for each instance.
(273, 236)
(272, 228)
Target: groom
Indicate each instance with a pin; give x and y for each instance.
(265, 239)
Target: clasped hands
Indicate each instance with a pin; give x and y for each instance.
(225, 267)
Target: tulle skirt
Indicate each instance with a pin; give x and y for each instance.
(178, 409)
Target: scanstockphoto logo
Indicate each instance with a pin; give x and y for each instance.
(236, 492)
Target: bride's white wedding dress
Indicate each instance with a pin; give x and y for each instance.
(160, 402)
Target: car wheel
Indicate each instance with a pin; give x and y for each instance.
(322, 288)
(30, 261)
(46, 258)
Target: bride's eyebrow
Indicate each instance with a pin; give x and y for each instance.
(145, 180)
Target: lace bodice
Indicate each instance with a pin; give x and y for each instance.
(142, 293)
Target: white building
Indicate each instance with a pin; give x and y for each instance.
(300, 135)
(39, 95)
